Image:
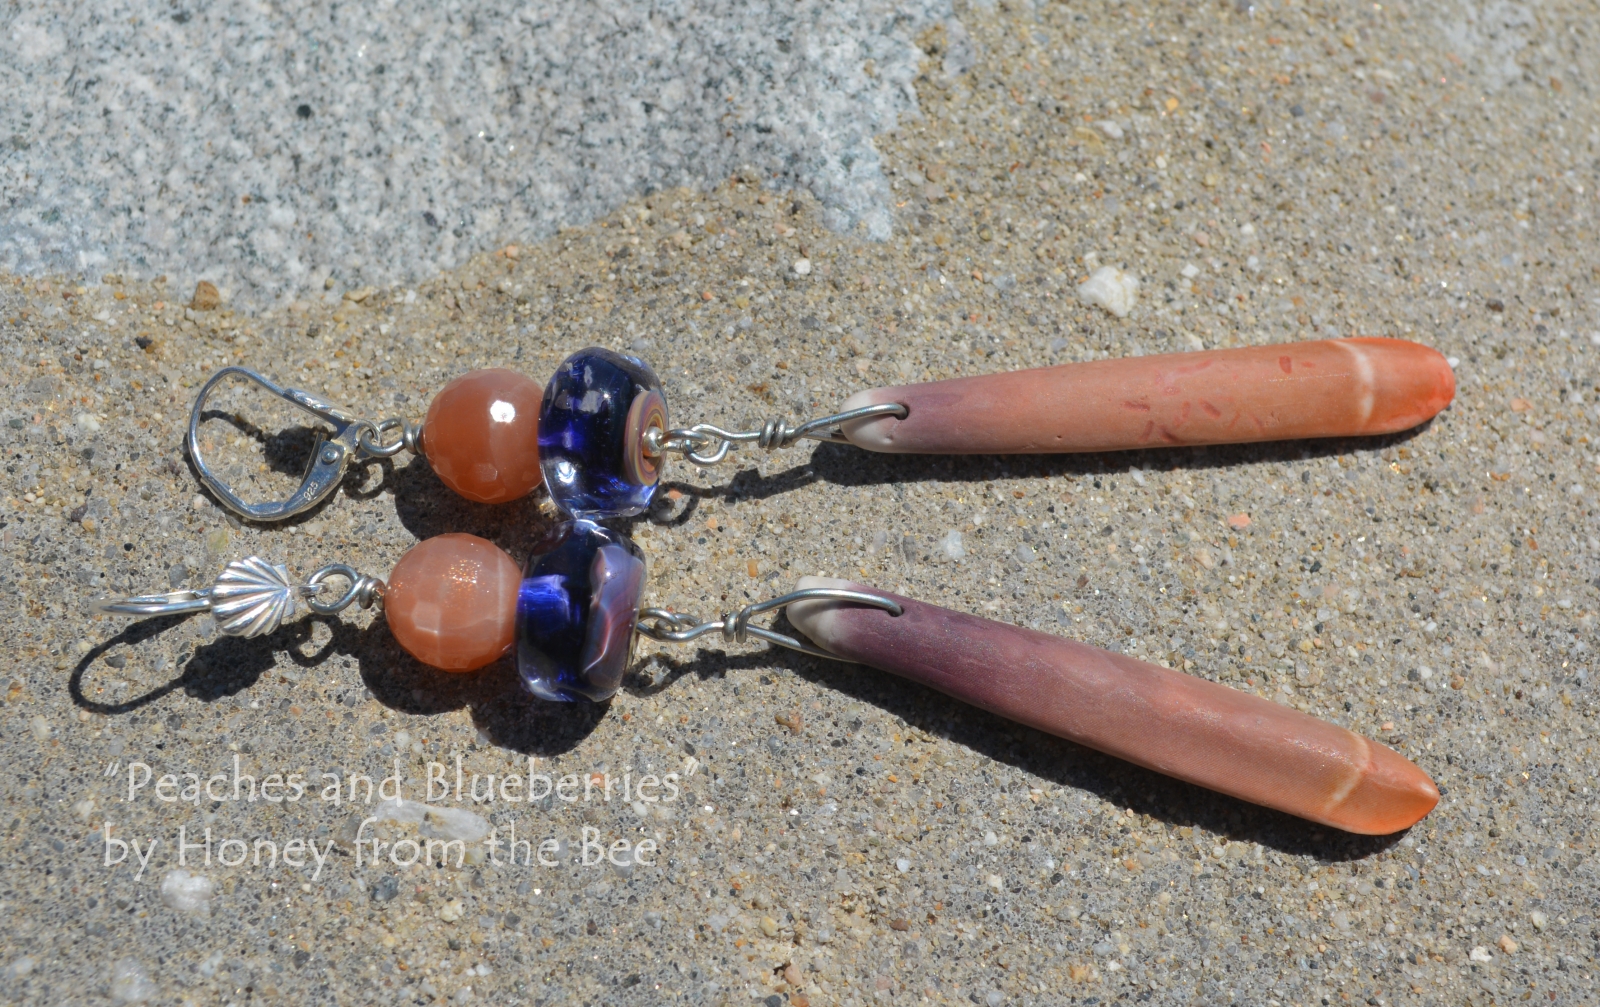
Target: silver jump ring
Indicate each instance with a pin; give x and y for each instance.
(371, 437)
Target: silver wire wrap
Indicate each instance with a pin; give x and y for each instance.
(667, 626)
(252, 597)
(363, 590)
(354, 442)
(705, 444)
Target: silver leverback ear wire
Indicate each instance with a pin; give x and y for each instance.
(667, 626)
(253, 597)
(354, 441)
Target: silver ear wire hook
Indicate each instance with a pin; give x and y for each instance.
(354, 441)
(253, 597)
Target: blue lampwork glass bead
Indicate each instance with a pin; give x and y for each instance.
(576, 610)
(592, 423)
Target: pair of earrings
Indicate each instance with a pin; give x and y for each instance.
(600, 436)
(596, 436)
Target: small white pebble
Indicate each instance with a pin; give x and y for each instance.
(40, 728)
(1480, 954)
(994, 999)
(1454, 362)
(1539, 919)
(802, 267)
(186, 892)
(453, 823)
(199, 502)
(994, 881)
(1110, 288)
(1110, 129)
(451, 911)
(436, 822)
(902, 865)
(130, 984)
(952, 545)
(87, 422)
(990, 839)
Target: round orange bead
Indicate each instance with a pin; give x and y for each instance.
(481, 435)
(452, 602)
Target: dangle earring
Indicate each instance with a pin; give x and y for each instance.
(598, 435)
(458, 602)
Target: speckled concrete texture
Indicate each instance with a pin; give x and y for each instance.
(832, 835)
(268, 146)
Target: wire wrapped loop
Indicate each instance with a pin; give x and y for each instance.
(363, 590)
(667, 626)
(705, 444)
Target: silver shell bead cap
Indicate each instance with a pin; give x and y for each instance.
(252, 598)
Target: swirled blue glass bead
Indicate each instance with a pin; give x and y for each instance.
(576, 609)
(592, 423)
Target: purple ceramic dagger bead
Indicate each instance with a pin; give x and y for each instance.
(1185, 727)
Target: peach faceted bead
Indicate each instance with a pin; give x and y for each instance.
(452, 602)
(481, 435)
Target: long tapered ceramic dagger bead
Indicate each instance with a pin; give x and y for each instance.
(1185, 727)
(1329, 388)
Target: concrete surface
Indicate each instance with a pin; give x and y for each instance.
(836, 836)
(265, 147)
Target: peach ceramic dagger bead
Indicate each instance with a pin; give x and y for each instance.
(1185, 727)
(1330, 388)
